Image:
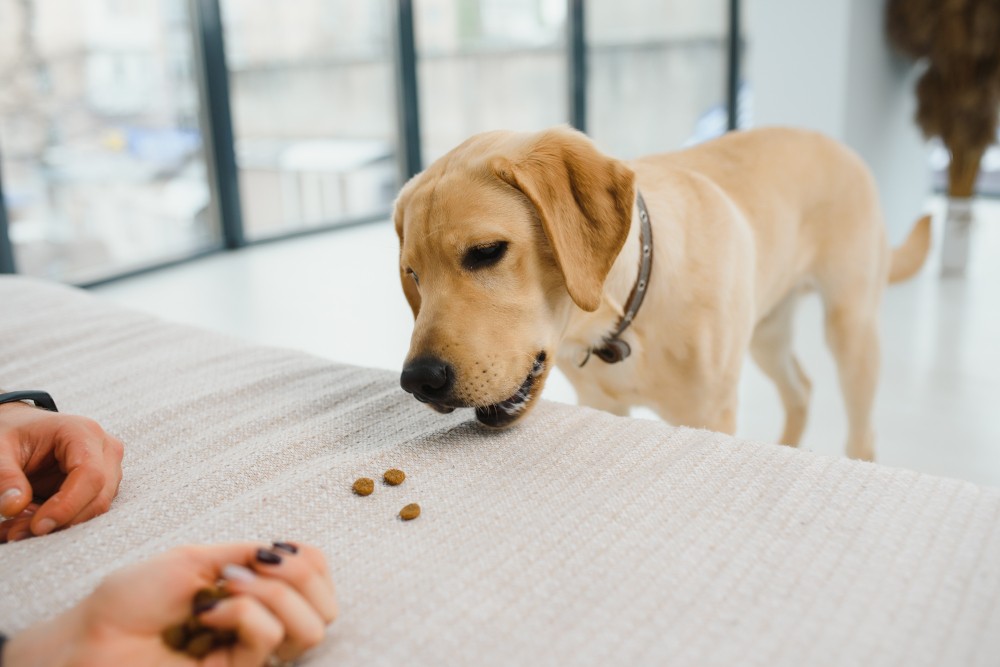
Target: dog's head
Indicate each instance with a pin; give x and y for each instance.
(499, 240)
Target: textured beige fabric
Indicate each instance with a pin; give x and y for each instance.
(575, 538)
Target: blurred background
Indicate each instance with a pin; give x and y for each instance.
(110, 109)
(142, 141)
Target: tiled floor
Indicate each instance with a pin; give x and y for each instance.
(337, 295)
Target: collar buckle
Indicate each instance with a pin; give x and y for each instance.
(613, 351)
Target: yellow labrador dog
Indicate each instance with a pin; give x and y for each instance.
(523, 250)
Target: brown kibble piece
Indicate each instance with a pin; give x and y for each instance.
(410, 512)
(175, 637)
(204, 596)
(394, 477)
(201, 645)
(364, 486)
(194, 638)
(192, 626)
(225, 637)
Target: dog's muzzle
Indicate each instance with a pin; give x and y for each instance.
(430, 380)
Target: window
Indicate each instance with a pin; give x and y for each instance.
(489, 65)
(656, 73)
(105, 167)
(102, 155)
(313, 103)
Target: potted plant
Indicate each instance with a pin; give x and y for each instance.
(958, 95)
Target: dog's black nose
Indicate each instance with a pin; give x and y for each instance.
(427, 377)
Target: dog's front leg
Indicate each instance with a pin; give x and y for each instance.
(590, 394)
(604, 402)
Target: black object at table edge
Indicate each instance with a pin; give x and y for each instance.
(41, 399)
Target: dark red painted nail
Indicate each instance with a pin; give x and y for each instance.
(285, 546)
(268, 557)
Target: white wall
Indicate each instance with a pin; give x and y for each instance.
(797, 62)
(825, 64)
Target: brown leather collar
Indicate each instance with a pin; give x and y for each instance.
(614, 349)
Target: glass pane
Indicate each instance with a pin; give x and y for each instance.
(657, 73)
(489, 65)
(313, 103)
(99, 130)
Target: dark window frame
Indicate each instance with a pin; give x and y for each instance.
(7, 264)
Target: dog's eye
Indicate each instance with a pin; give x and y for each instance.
(484, 255)
(413, 275)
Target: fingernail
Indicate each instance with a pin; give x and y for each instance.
(268, 557)
(237, 573)
(45, 526)
(8, 495)
(205, 605)
(285, 546)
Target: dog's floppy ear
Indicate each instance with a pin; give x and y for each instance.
(409, 287)
(584, 200)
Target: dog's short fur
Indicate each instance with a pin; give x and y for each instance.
(742, 227)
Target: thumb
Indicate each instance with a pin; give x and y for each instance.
(15, 490)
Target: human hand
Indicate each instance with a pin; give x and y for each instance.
(66, 461)
(282, 600)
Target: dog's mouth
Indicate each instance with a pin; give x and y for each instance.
(509, 410)
(443, 409)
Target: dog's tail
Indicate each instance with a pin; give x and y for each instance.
(911, 255)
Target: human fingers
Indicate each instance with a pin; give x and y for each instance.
(207, 560)
(83, 485)
(5, 527)
(18, 527)
(259, 632)
(203, 563)
(172, 577)
(304, 568)
(181, 571)
(15, 490)
(303, 626)
(314, 556)
(91, 458)
(45, 482)
(175, 576)
(99, 505)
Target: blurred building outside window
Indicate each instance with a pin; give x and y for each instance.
(656, 74)
(313, 101)
(102, 155)
(489, 65)
(100, 121)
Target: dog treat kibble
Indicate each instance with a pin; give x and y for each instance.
(201, 644)
(394, 477)
(192, 626)
(207, 596)
(175, 637)
(193, 638)
(364, 486)
(410, 512)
